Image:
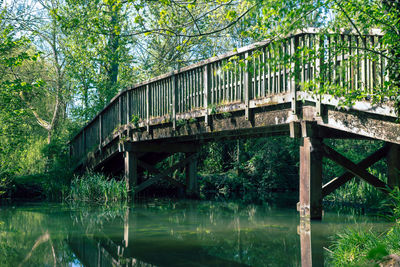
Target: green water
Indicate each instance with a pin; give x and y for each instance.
(165, 233)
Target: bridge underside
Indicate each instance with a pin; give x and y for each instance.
(135, 150)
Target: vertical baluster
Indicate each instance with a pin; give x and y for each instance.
(191, 89)
(380, 63)
(162, 98)
(197, 86)
(206, 84)
(174, 99)
(219, 82)
(159, 98)
(352, 67)
(342, 63)
(302, 61)
(294, 42)
(181, 91)
(128, 106)
(364, 65)
(235, 80)
(279, 59)
(317, 44)
(357, 63)
(247, 86)
(373, 64)
(240, 79)
(187, 86)
(270, 70)
(264, 67)
(149, 105)
(254, 76)
(260, 87)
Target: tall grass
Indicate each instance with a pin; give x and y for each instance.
(368, 248)
(95, 187)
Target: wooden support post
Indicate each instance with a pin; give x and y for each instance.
(192, 187)
(247, 82)
(174, 102)
(310, 245)
(310, 205)
(131, 171)
(393, 163)
(206, 85)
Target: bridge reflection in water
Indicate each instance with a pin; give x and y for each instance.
(187, 238)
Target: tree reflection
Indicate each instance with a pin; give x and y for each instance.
(158, 233)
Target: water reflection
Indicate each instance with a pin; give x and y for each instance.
(163, 233)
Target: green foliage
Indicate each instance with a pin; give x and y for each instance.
(226, 115)
(135, 120)
(94, 187)
(251, 169)
(367, 248)
(181, 123)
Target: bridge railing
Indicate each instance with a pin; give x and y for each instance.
(308, 60)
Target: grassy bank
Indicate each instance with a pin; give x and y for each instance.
(370, 248)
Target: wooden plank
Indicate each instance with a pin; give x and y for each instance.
(353, 168)
(160, 147)
(166, 172)
(310, 205)
(347, 176)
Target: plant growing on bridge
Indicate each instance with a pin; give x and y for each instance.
(135, 120)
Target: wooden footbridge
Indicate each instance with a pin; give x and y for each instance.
(291, 86)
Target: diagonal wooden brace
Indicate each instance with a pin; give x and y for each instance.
(347, 176)
(154, 170)
(353, 168)
(151, 181)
